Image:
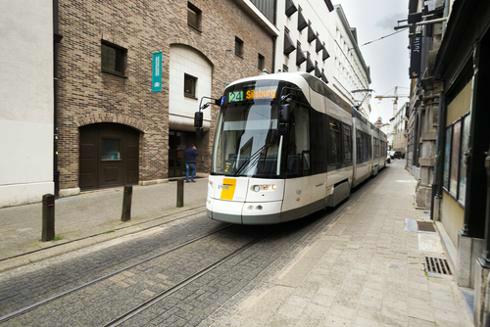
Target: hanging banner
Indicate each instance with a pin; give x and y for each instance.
(415, 56)
(156, 71)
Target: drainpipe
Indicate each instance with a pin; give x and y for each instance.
(439, 175)
(56, 41)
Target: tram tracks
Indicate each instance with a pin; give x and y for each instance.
(69, 291)
(132, 309)
(162, 295)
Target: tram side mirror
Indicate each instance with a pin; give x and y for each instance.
(284, 113)
(284, 110)
(198, 119)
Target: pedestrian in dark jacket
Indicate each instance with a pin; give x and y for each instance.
(190, 156)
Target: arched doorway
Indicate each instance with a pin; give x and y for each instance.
(190, 78)
(108, 155)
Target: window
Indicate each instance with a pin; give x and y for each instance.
(347, 145)
(111, 150)
(298, 162)
(113, 58)
(260, 62)
(457, 144)
(194, 15)
(190, 86)
(335, 142)
(238, 47)
(363, 147)
(465, 145)
(318, 141)
(455, 148)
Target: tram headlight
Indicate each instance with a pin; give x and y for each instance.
(264, 187)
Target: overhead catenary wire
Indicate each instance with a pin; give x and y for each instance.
(382, 37)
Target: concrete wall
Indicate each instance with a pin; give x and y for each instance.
(343, 69)
(26, 106)
(184, 60)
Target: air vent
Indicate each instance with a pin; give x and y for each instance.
(437, 266)
(425, 226)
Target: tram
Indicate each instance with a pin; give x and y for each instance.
(285, 147)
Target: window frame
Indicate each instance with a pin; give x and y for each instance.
(347, 137)
(456, 195)
(239, 51)
(260, 62)
(198, 13)
(194, 79)
(117, 48)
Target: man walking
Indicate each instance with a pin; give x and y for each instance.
(190, 156)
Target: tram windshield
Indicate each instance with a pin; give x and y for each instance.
(247, 139)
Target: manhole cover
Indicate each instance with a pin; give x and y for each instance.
(425, 226)
(436, 265)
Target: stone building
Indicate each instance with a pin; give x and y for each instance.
(462, 180)
(26, 105)
(449, 140)
(425, 90)
(113, 127)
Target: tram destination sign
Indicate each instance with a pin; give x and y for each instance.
(259, 93)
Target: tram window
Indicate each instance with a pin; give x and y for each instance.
(335, 145)
(369, 147)
(298, 162)
(347, 145)
(358, 147)
(363, 146)
(318, 141)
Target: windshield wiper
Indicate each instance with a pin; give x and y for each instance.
(254, 156)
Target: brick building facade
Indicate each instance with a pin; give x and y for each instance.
(123, 104)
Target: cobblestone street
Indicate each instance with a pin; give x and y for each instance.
(358, 265)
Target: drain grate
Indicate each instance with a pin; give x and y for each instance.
(437, 266)
(425, 226)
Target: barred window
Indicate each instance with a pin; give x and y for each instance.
(113, 58)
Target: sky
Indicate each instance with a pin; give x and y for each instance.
(388, 58)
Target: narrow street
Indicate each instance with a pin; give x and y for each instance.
(357, 265)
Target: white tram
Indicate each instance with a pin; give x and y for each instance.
(285, 147)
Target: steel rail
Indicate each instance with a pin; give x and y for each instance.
(143, 306)
(30, 307)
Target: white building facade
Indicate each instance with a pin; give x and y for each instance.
(315, 36)
(399, 124)
(26, 109)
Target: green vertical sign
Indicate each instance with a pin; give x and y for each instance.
(156, 71)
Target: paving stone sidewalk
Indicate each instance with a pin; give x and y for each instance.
(365, 269)
(92, 213)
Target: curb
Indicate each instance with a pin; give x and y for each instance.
(37, 255)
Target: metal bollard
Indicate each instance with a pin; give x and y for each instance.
(180, 193)
(126, 206)
(48, 218)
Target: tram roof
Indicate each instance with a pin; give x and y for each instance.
(303, 81)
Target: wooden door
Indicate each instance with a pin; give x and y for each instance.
(108, 156)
